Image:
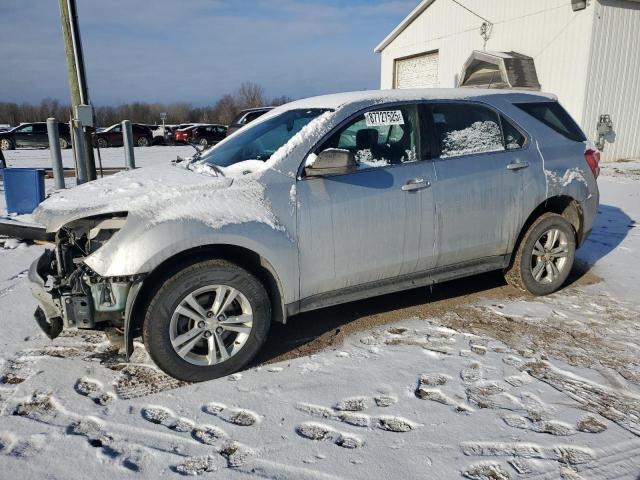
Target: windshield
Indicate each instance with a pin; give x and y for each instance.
(261, 140)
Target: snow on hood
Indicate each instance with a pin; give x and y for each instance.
(159, 194)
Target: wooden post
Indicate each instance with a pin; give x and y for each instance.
(77, 78)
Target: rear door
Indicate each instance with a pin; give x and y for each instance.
(479, 188)
(364, 227)
(40, 137)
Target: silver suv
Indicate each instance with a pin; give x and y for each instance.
(320, 202)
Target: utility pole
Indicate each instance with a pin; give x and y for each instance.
(80, 103)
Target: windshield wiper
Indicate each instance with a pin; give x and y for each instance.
(198, 151)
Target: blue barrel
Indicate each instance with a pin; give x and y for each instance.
(23, 189)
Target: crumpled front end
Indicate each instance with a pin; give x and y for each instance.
(69, 293)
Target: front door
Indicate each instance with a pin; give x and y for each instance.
(23, 136)
(479, 190)
(364, 227)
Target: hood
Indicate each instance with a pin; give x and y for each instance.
(157, 194)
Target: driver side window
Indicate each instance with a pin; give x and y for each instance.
(380, 137)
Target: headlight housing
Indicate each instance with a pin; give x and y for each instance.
(83, 237)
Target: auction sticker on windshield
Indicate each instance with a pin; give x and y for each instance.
(384, 118)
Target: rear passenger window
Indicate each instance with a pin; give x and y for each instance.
(464, 129)
(381, 137)
(513, 138)
(554, 116)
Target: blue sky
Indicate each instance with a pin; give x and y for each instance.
(196, 50)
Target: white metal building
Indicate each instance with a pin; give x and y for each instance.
(586, 52)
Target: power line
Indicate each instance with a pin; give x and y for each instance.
(471, 11)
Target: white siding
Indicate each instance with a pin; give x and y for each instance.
(613, 83)
(547, 30)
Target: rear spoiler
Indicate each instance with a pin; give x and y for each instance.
(25, 231)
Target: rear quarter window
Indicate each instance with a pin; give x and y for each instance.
(555, 117)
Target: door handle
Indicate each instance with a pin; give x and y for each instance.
(416, 184)
(517, 165)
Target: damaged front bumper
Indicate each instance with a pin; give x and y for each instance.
(84, 302)
(48, 314)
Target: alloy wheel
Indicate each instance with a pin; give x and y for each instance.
(549, 256)
(211, 325)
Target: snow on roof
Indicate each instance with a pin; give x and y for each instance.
(373, 97)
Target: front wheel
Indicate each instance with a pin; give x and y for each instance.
(143, 142)
(203, 142)
(207, 321)
(544, 257)
(102, 143)
(64, 144)
(5, 144)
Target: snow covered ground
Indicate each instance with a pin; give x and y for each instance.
(487, 384)
(111, 157)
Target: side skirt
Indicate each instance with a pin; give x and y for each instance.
(397, 284)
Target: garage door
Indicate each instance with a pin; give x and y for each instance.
(420, 71)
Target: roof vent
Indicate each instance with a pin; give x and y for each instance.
(499, 70)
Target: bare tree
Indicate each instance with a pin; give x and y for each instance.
(248, 95)
(277, 101)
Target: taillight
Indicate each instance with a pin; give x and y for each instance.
(593, 160)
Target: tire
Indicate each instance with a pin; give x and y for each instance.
(143, 142)
(542, 272)
(165, 321)
(6, 144)
(203, 142)
(102, 143)
(64, 144)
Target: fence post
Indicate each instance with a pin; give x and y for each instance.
(78, 145)
(127, 135)
(55, 152)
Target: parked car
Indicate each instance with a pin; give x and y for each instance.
(33, 135)
(113, 137)
(382, 191)
(173, 129)
(245, 117)
(207, 135)
(183, 135)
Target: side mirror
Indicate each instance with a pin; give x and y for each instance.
(333, 161)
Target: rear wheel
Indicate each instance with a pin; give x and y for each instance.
(6, 144)
(207, 321)
(545, 256)
(203, 142)
(64, 144)
(102, 143)
(144, 142)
